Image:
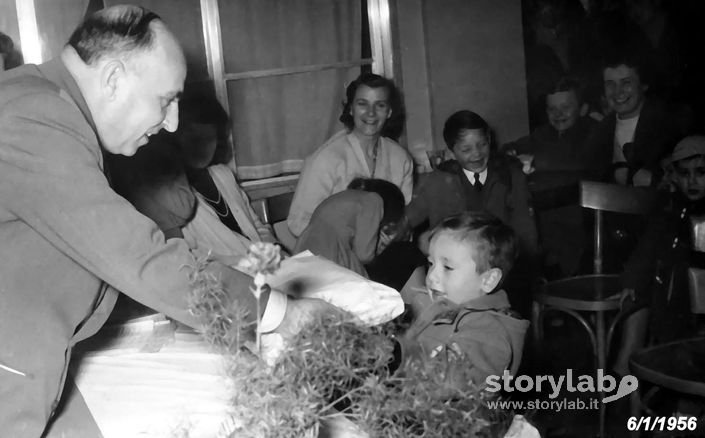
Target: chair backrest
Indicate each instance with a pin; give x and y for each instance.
(698, 227)
(274, 208)
(696, 289)
(696, 275)
(614, 198)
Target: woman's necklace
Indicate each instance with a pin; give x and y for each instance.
(375, 149)
(205, 186)
(217, 204)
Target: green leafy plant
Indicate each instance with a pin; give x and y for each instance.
(335, 368)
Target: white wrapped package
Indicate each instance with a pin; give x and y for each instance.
(310, 276)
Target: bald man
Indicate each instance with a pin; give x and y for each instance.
(67, 241)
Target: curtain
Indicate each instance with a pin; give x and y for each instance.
(279, 120)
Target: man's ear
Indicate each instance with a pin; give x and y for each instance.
(390, 114)
(490, 279)
(111, 78)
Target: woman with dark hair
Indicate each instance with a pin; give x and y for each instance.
(373, 115)
(182, 182)
(347, 226)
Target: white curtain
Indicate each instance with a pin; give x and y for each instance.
(279, 120)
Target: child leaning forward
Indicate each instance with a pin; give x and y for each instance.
(467, 318)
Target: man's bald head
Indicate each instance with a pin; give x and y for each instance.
(130, 69)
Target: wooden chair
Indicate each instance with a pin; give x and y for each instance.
(598, 293)
(274, 210)
(696, 275)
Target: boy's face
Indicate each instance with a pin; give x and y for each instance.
(452, 272)
(472, 150)
(689, 174)
(563, 109)
(624, 90)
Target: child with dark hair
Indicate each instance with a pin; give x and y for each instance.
(347, 226)
(479, 179)
(467, 318)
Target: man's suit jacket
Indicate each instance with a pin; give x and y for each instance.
(505, 194)
(67, 243)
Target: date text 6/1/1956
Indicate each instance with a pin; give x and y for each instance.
(662, 423)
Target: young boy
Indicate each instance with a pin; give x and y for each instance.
(560, 144)
(656, 272)
(480, 179)
(467, 316)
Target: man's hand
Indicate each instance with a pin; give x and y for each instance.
(301, 312)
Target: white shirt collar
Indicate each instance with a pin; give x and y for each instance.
(471, 175)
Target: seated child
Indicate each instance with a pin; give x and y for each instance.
(468, 316)
(480, 179)
(560, 144)
(353, 226)
(656, 272)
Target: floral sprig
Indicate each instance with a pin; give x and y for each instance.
(262, 258)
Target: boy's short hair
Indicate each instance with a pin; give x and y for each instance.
(494, 242)
(462, 121)
(567, 83)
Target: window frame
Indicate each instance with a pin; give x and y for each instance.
(381, 61)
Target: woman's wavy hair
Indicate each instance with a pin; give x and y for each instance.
(394, 126)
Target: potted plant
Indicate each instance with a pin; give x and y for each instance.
(335, 371)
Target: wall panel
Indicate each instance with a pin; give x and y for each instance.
(475, 59)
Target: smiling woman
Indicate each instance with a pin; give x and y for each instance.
(373, 115)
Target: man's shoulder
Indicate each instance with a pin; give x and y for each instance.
(24, 81)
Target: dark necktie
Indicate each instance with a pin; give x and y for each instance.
(477, 184)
